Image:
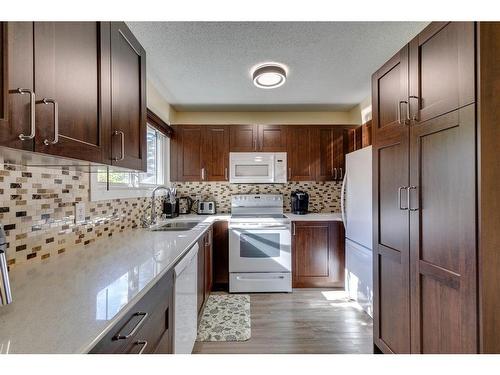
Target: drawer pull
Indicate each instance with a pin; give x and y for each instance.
(144, 344)
(144, 315)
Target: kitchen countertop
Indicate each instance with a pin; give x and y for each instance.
(67, 303)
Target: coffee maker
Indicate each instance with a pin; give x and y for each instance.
(300, 202)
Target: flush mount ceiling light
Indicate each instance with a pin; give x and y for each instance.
(269, 75)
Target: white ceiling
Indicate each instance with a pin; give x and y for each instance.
(206, 65)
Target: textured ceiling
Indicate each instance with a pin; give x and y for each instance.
(206, 65)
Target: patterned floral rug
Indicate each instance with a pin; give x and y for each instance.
(226, 317)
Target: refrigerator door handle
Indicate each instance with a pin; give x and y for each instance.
(342, 196)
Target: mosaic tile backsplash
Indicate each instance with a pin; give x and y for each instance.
(37, 211)
(323, 196)
(37, 208)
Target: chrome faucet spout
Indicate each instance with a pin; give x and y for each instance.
(153, 206)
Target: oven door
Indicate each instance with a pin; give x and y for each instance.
(260, 249)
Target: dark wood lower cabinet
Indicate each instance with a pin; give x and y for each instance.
(220, 256)
(318, 255)
(152, 320)
(204, 269)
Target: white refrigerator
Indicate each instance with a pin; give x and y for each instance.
(357, 217)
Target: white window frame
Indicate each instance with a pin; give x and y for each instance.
(105, 191)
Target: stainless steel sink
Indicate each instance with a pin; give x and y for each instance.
(176, 226)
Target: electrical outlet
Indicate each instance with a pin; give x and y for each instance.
(79, 212)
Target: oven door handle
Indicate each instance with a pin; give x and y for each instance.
(259, 228)
(260, 279)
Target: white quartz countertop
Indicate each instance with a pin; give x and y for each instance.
(67, 303)
(315, 217)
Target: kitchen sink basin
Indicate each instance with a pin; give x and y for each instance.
(176, 226)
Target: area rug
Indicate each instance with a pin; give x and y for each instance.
(226, 317)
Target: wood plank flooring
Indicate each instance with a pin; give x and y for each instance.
(311, 321)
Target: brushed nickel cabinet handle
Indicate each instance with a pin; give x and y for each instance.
(335, 173)
(401, 188)
(399, 111)
(293, 228)
(21, 91)
(341, 173)
(46, 142)
(225, 174)
(414, 117)
(289, 174)
(143, 315)
(409, 189)
(203, 174)
(144, 344)
(122, 147)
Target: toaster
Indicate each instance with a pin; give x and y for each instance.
(206, 208)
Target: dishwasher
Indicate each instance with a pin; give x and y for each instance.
(185, 302)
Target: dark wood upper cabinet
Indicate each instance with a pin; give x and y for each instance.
(72, 89)
(19, 78)
(216, 153)
(318, 254)
(271, 138)
(128, 99)
(243, 138)
(301, 158)
(189, 148)
(390, 218)
(4, 89)
(441, 69)
(330, 144)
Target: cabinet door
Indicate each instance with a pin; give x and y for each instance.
(189, 140)
(128, 99)
(272, 138)
(243, 138)
(216, 153)
(208, 263)
(220, 255)
(441, 69)
(390, 218)
(443, 234)
(324, 137)
(301, 164)
(72, 69)
(318, 254)
(3, 76)
(19, 55)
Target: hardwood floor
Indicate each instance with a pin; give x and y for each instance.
(309, 321)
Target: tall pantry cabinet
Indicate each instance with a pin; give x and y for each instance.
(435, 251)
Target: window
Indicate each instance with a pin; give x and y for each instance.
(109, 183)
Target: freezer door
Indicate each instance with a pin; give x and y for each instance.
(358, 276)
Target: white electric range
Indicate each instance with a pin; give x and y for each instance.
(259, 245)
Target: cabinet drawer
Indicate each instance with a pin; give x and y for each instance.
(149, 320)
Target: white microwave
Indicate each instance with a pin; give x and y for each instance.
(257, 167)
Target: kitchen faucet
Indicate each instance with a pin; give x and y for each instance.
(5, 293)
(152, 220)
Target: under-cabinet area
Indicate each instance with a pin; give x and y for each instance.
(154, 200)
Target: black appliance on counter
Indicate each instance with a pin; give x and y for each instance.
(300, 202)
(170, 209)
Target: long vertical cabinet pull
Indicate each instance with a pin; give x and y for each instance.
(414, 117)
(407, 119)
(203, 173)
(408, 198)
(46, 142)
(293, 229)
(400, 189)
(21, 91)
(225, 174)
(122, 148)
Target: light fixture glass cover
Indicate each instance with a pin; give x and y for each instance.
(269, 75)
